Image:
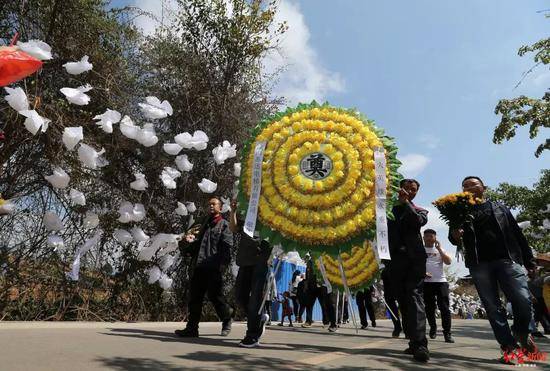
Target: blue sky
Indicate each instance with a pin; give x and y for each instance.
(430, 72)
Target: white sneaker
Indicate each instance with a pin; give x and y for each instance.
(264, 318)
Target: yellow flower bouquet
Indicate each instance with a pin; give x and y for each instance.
(456, 208)
(317, 187)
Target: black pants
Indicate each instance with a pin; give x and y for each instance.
(207, 280)
(249, 290)
(302, 299)
(364, 304)
(391, 301)
(407, 280)
(328, 304)
(295, 307)
(310, 296)
(437, 291)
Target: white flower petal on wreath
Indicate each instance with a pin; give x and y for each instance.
(207, 186)
(56, 242)
(59, 179)
(91, 220)
(77, 197)
(52, 222)
(147, 136)
(237, 169)
(91, 158)
(77, 96)
(107, 119)
(36, 48)
(128, 128)
(183, 163)
(76, 68)
(17, 99)
(34, 121)
(153, 274)
(181, 209)
(140, 184)
(191, 207)
(223, 152)
(139, 235)
(172, 148)
(154, 109)
(226, 205)
(71, 136)
(122, 236)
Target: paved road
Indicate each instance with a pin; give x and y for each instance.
(151, 346)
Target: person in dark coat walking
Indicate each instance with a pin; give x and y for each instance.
(363, 299)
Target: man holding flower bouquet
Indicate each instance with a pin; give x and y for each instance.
(408, 266)
(495, 250)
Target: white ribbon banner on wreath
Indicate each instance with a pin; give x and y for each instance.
(253, 202)
(382, 244)
(324, 275)
(346, 292)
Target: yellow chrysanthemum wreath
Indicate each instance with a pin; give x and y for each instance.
(360, 267)
(317, 177)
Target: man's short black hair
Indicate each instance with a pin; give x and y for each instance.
(473, 177)
(216, 198)
(430, 231)
(402, 182)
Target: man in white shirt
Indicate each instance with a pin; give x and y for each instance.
(436, 286)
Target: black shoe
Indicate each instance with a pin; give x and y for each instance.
(373, 323)
(226, 327)
(448, 338)
(187, 333)
(408, 351)
(249, 342)
(364, 327)
(396, 332)
(537, 334)
(421, 354)
(333, 328)
(433, 333)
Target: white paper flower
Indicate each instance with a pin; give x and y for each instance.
(76, 68)
(52, 222)
(172, 148)
(139, 235)
(128, 128)
(71, 137)
(168, 177)
(140, 184)
(138, 212)
(17, 99)
(36, 48)
(34, 121)
(226, 205)
(131, 213)
(154, 109)
(77, 197)
(77, 96)
(107, 119)
(81, 250)
(166, 262)
(165, 282)
(59, 179)
(191, 207)
(181, 209)
(207, 186)
(223, 152)
(56, 242)
(91, 220)
(122, 236)
(183, 163)
(147, 136)
(153, 274)
(237, 169)
(197, 141)
(91, 158)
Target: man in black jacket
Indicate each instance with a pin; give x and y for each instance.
(495, 250)
(252, 259)
(211, 248)
(408, 266)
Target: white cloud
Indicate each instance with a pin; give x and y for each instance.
(542, 79)
(413, 164)
(303, 78)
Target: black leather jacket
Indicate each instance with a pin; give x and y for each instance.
(404, 232)
(514, 240)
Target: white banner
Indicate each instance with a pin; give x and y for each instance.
(253, 202)
(324, 275)
(382, 245)
(346, 291)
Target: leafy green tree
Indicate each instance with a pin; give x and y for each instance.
(532, 205)
(523, 110)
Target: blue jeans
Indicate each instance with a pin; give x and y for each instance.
(510, 277)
